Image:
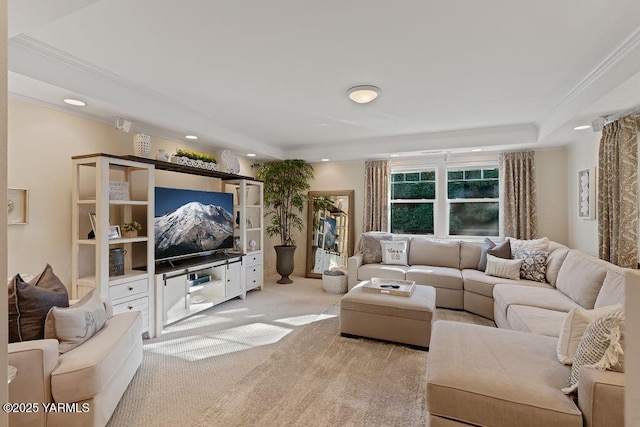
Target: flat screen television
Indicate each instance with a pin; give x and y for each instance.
(189, 223)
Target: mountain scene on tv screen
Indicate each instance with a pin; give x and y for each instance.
(193, 228)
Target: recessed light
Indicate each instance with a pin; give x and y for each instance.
(324, 160)
(582, 127)
(251, 154)
(363, 94)
(394, 155)
(75, 102)
(475, 150)
(191, 137)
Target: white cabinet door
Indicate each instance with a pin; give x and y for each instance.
(234, 284)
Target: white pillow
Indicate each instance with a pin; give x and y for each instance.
(573, 328)
(505, 268)
(73, 325)
(394, 252)
(541, 244)
(599, 348)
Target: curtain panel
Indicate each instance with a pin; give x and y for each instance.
(376, 196)
(618, 193)
(519, 213)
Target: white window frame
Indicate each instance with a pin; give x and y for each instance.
(433, 201)
(441, 164)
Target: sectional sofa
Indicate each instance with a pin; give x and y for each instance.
(509, 374)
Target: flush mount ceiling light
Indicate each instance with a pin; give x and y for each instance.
(74, 102)
(324, 160)
(475, 150)
(582, 127)
(191, 137)
(394, 155)
(363, 94)
(251, 154)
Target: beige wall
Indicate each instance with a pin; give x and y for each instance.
(551, 174)
(41, 144)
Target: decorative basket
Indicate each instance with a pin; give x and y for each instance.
(141, 145)
(334, 284)
(185, 161)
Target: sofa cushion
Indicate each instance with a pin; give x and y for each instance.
(581, 277)
(470, 254)
(439, 277)
(72, 326)
(599, 347)
(535, 320)
(370, 246)
(534, 264)
(523, 388)
(504, 268)
(557, 255)
(394, 251)
(573, 328)
(434, 252)
(612, 291)
(480, 283)
(532, 296)
(382, 271)
(500, 250)
(86, 370)
(33, 301)
(541, 244)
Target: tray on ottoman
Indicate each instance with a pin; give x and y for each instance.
(390, 286)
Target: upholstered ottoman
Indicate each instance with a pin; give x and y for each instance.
(394, 318)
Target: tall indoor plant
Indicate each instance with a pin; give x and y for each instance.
(286, 183)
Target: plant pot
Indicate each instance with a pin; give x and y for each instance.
(133, 233)
(284, 262)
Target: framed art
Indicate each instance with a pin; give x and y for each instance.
(587, 193)
(17, 206)
(114, 232)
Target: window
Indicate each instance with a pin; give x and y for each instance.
(473, 200)
(445, 200)
(412, 201)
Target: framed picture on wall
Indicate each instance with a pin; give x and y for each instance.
(587, 193)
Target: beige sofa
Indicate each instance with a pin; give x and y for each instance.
(508, 375)
(94, 375)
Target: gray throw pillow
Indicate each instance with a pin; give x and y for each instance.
(371, 248)
(502, 250)
(33, 301)
(534, 264)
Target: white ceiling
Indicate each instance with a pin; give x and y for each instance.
(270, 77)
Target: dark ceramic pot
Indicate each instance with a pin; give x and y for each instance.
(284, 262)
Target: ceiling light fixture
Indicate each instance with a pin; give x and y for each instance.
(363, 94)
(251, 154)
(74, 102)
(582, 127)
(475, 150)
(191, 137)
(394, 155)
(324, 160)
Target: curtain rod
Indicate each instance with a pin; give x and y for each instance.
(613, 117)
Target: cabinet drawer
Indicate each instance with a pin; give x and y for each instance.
(253, 270)
(253, 276)
(253, 259)
(139, 304)
(127, 289)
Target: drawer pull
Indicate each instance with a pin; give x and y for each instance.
(130, 288)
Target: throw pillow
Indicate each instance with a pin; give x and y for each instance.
(541, 244)
(33, 301)
(501, 250)
(74, 325)
(504, 268)
(371, 249)
(599, 348)
(534, 264)
(394, 252)
(576, 322)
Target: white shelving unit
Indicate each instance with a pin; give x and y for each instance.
(133, 290)
(249, 231)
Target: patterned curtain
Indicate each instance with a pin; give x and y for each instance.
(519, 214)
(618, 193)
(376, 195)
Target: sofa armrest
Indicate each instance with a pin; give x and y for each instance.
(35, 360)
(601, 397)
(353, 264)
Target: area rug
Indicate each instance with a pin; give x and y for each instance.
(322, 379)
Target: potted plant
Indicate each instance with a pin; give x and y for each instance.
(286, 183)
(130, 229)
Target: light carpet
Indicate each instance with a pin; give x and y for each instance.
(276, 358)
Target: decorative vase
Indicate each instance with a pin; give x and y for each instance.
(141, 145)
(284, 262)
(162, 155)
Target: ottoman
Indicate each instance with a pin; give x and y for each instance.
(401, 319)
